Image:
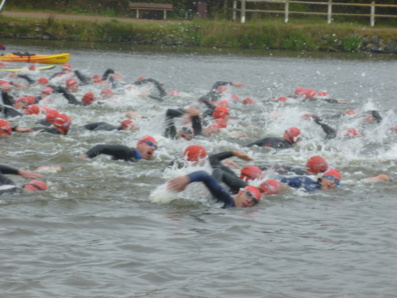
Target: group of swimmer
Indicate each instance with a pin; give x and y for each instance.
(204, 117)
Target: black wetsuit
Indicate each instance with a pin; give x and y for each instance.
(157, 84)
(329, 131)
(170, 130)
(69, 96)
(116, 151)
(7, 106)
(51, 130)
(213, 94)
(101, 126)
(284, 170)
(273, 142)
(7, 186)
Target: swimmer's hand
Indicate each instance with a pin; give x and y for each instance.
(83, 156)
(242, 155)
(28, 174)
(178, 184)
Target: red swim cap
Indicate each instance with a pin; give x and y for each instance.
(31, 99)
(35, 185)
(51, 115)
(300, 92)
(147, 139)
(352, 133)
(32, 110)
(220, 112)
(47, 90)
(235, 97)
(220, 122)
(32, 67)
(106, 91)
(223, 103)
(22, 100)
(127, 124)
(350, 112)
(5, 127)
(316, 164)
(292, 134)
(310, 93)
(250, 173)
(282, 98)
(248, 101)
(66, 67)
(88, 98)
(333, 174)
(71, 82)
(214, 127)
(194, 153)
(62, 122)
(271, 187)
(43, 81)
(322, 94)
(254, 191)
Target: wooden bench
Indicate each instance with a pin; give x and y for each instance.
(150, 6)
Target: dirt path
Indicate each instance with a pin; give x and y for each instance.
(45, 15)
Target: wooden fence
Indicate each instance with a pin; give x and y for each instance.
(372, 7)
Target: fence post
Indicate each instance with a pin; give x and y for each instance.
(243, 11)
(286, 11)
(372, 13)
(234, 10)
(329, 18)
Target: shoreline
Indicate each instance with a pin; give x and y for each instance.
(257, 36)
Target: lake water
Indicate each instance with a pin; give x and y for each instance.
(107, 228)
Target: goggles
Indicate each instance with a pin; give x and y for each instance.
(252, 197)
(149, 143)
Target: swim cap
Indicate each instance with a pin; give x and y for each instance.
(350, 112)
(235, 97)
(22, 100)
(292, 134)
(71, 82)
(43, 81)
(106, 91)
(220, 122)
(127, 124)
(35, 185)
(147, 139)
(300, 92)
(141, 78)
(88, 98)
(220, 112)
(254, 191)
(322, 94)
(32, 110)
(282, 98)
(97, 78)
(223, 103)
(31, 99)
(271, 187)
(194, 153)
(214, 127)
(310, 93)
(248, 101)
(250, 173)
(32, 67)
(47, 90)
(352, 133)
(334, 175)
(51, 115)
(316, 164)
(62, 122)
(66, 67)
(5, 127)
(173, 93)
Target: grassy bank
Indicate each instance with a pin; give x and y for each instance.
(259, 35)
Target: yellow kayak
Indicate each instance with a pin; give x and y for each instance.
(33, 58)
